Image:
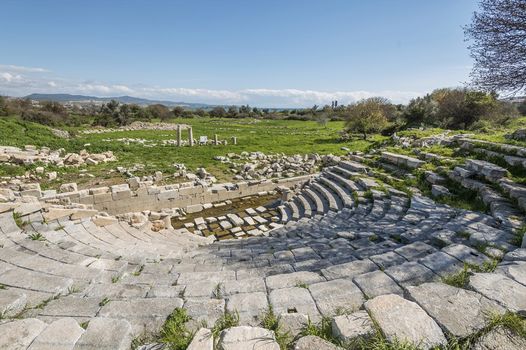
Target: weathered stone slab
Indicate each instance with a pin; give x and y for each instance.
(72, 306)
(349, 270)
(204, 312)
(500, 339)
(516, 271)
(410, 274)
(291, 300)
(459, 311)
(11, 302)
(377, 283)
(203, 340)
(292, 323)
(405, 320)
(59, 335)
(351, 328)
(441, 263)
(312, 342)
(32, 280)
(336, 296)
(106, 334)
(244, 337)
(293, 279)
(249, 285)
(388, 259)
(18, 335)
(500, 288)
(250, 306)
(466, 254)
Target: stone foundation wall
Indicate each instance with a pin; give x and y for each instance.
(121, 199)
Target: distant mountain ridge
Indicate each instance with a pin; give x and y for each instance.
(122, 99)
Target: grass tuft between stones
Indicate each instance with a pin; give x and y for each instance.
(227, 320)
(461, 278)
(270, 321)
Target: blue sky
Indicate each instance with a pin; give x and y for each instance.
(264, 53)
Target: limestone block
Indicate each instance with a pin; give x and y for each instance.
(405, 320)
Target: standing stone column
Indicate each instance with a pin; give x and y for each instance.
(234, 140)
(179, 135)
(216, 139)
(191, 136)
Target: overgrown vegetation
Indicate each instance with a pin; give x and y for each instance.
(174, 332)
(270, 321)
(460, 279)
(227, 320)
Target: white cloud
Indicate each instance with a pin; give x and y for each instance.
(20, 81)
(22, 69)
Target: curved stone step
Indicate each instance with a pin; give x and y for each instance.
(321, 207)
(342, 179)
(305, 203)
(335, 187)
(284, 213)
(331, 198)
(295, 211)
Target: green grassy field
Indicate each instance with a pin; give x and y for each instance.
(268, 136)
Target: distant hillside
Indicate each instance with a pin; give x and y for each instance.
(64, 98)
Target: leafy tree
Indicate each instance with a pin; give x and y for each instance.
(159, 111)
(322, 120)
(200, 112)
(53, 107)
(420, 110)
(218, 112)
(178, 111)
(498, 35)
(460, 108)
(367, 116)
(232, 112)
(3, 106)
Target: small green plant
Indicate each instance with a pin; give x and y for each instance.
(45, 302)
(84, 325)
(18, 220)
(323, 329)
(518, 236)
(368, 194)
(59, 227)
(115, 279)
(301, 284)
(37, 236)
(174, 332)
(104, 301)
(463, 234)
(227, 320)
(461, 278)
(374, 238)
(217, 293)
(271, 322)
(139, 271)
(73, 289)
(2, 286)
(509, 320)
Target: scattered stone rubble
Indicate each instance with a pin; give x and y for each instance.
(137, 125)
(30, 154)
(258, 165)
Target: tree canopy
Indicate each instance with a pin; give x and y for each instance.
(498, 45)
